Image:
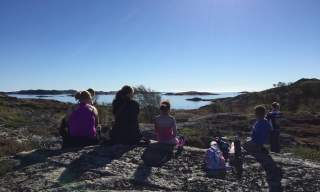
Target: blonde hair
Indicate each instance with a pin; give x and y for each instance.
(85, 95)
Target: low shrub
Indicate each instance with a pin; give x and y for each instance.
(306, 153)
(196, 137)
(105, 114)
(149, 101)
(11, 146)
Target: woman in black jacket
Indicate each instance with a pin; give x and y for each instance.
(126, 111)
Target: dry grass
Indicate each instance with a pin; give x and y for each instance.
(306, 153)
(12, 146)
(22, 119)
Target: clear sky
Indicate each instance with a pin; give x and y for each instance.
(168, 45)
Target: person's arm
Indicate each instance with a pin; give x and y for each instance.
(156, 128)
(174, 127)
(96, 114)
(254, 132)
(137, 108)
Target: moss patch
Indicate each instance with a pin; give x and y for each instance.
(306, 153)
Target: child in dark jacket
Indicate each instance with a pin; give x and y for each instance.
(255, 147)
(260, 131)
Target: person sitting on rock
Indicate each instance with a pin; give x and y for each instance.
(158, 154)
(273, 116)
(77, 96)
(64, 129)
(126, 129)
(83, 121)
(93, 95)
(166, 128)
(255, 147)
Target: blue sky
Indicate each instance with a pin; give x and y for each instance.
(168, 45)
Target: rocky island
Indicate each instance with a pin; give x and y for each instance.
(190, 93)
(197, 99)
(41, 92)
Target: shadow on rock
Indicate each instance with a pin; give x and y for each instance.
(156, 154)
(142, 173)
(273, 171)
(38, 156)
(89, 163)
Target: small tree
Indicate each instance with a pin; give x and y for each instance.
(281, 84)
(149, 101)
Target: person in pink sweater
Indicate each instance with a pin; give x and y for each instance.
(165, 125)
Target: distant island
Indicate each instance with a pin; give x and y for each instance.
(189, 93)
(69, 92)
(197, 99)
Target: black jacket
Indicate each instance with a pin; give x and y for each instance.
(126, 126)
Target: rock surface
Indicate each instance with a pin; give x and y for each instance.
(117, 168)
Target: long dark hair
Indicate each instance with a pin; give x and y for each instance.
(124, 92)
(122, 96)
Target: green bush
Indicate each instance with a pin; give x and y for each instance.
(11, 146)
(196, 137)
(105, 114)
(149, 101)
(219, 108)
(306, 153)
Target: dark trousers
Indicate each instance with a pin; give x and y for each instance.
(157, 154)
(275, 141)
(70, 142)
(262, 156)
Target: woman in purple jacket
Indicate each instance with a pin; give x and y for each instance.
(83, 122)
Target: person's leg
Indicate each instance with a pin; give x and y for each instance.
(92, 141)
(272, 141)
(157, 154)
(69, 142)
(273, 172)
(277, 141)
(65, 142)
(81, 141)
(169, 148)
